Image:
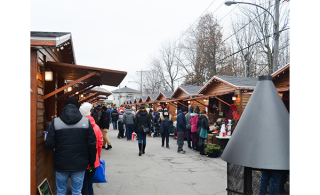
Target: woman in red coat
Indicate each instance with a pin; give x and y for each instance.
(194, 128)
(88, 178)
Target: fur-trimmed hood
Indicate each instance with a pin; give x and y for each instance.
(162, 117)
(194, 114)
(205, 116)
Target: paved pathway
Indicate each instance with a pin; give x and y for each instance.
(159, 170)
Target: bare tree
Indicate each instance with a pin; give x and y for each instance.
(166, 64)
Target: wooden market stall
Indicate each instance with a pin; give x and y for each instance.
(222, 91)
(281, 80)
(52, 65)
(181, 96)
(162, 100)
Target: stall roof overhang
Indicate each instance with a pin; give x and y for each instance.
(39, 38)
(261, 137)
(247, 83)
(187, 89)
(282, 69)
(73, 72)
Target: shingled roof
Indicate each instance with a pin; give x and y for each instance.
(235, 82)
(125, 89)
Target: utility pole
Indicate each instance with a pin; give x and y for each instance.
(276, 36)
(141, 71)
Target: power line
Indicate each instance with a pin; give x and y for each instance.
(197, 20)
(233, 53)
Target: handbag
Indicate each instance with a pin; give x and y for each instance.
(99, 175)
(145, 129)
(203, 132)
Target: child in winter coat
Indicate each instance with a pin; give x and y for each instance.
(166, 124)
(120, 127)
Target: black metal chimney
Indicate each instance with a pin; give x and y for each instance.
(261, 138)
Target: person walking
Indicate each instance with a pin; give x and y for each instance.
(194, 128)
(166, 124)
(156, 125)
(88, 177)
(203, 122)
(128, 120)
(188, 126)
(94, 114)
(142, 121)
(151, 122)
(104, 126)
(181, 128)
(120, 126)
(110, 109)
(114, 118)
(72, 137)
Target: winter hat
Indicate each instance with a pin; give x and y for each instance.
(183, 109)
(72, 100)
(151, 110)
(85, 108)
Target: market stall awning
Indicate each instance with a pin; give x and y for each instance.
(73, 72)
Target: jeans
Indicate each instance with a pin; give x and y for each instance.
(189, 137)
(114, 125)
(180, 140)
(271, 179)
(87, 182)
(142, 138)
(129, 129)
(76, 181)
(165, 135)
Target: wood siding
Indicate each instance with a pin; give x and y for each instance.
(217, 87)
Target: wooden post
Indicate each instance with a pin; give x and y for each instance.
(240, 103)
(33, 122)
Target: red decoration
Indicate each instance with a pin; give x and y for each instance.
(234, 113)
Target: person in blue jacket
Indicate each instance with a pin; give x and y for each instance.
(181, 128)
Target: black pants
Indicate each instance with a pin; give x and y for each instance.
(165, 135)
(121, 133)
(87, 182)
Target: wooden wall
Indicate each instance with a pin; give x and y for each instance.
(42, 159)
(217, 87)
(283, 80)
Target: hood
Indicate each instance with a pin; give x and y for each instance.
(193, 114)
(70, 114)
(128, 112)
(179, 111)
(190, 109)
(142, 112)
(92, 121)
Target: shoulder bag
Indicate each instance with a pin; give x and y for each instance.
(203, 132)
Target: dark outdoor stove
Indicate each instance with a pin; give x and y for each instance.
(258, 151)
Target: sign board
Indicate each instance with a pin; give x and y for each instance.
(44, 188)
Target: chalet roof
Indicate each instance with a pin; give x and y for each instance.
(282, 69)
(125, 89)
(192, 90)
(48, 34)
(236, 82)
(100, 89)
(153, 96)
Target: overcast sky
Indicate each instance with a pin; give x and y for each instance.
(121, 35)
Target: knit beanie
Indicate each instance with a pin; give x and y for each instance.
(183, 109)
(85, 108)
(72, 100)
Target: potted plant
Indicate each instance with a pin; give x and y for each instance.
(213, 150)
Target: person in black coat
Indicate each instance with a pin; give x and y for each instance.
(166, 124)
(114, 118)
(142, 120)
(104, 126)
(203, 122)
(156, 124)
(71, 159)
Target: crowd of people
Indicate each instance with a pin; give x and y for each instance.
(79, 134)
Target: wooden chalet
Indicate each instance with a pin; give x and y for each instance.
(181, 97)
(52, 64)
(281, 80)
(162, 99)
(222, 91)
(151, 101)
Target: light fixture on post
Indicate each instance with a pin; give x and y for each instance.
(69, 89)
(48, 74)
(234, 98)
(81, 95)
(189, 102)
(205, 99)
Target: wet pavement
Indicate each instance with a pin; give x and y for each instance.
(159, 170)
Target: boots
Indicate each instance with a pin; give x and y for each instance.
(109, 147)
(143, 149)
(140, 149)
